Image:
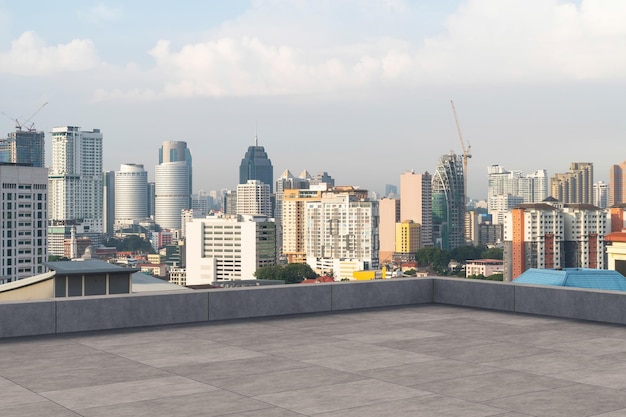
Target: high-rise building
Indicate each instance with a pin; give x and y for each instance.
(253, 198)
(601, 194)
(416, 201)
(343, 225)
(173, 178)
(131, 198)
(24, 205)
(256, 165)
(109, 202)
(391, 191)
(389, 213)
(617, 184)
(506, 189)
(448, 205)
(228, 248)
(293, 222)
(575, 186)
(76, 178)
(26, 147)
(407, 240)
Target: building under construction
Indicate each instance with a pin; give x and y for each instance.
(448, 202)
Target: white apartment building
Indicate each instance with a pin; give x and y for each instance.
(585, 228)
(75, 179)
(131, 194)
(506, 189)
(228, 248)
(23, 238)
(342, 225)
(253, 197)
(172, 184)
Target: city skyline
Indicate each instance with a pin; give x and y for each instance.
(364, 102)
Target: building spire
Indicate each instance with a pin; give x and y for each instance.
(256, 137)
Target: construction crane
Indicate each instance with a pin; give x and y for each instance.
(466, 152)
(19, 125)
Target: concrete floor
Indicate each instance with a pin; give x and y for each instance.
(429, 360)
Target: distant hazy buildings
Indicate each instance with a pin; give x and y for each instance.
(575, 186)
(416, 199)
(131, 197)
(601, 194)
(233, 248)
(256, 165)
(24, 205)
(617, 184)
(172, 184)
(389, 212)
(506, 189)
(448, 203)
(25, 147)
(76, 178)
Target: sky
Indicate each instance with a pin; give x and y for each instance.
(358, 88)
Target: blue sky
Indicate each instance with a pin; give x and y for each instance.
(358, 88)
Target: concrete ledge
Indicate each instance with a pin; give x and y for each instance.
(474, 293)
(574, 303)
(275, 300)
(27, 318)
(117, 312)
(381, 293)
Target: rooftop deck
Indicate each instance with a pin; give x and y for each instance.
(419, 360)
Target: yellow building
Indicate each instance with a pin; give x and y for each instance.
(408, 237)
(293, 222)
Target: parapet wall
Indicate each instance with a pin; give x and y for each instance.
(69, 315)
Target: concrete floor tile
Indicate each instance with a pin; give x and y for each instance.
(425, 372)
(388, 335)
(594, 347)
(489, 353)
(552, 363)
(339, 396)
(491, 386)
(423, 406)
(274, 382)
(13, 394)
(125, 392)
(569, 401)
(39, 409)
(432, 345)
(359, 361)
(216, 403)
(610, 376)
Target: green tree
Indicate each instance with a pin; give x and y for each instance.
(435, 258)
(269, 272)
(290, 273)
(463, 253)
(493, 253)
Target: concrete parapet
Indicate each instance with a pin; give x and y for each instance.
(274, 300)
(493, 295)
(27, 318)
(381, 293)
(136, 310)
(573, 303)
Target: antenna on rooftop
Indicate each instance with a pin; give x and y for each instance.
(256, 137)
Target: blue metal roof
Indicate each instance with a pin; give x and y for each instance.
(599, 279)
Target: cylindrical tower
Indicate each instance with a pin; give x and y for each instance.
(131, 199)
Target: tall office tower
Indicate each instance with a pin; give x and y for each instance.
(109, 202)
(256, 165)
(533, 238)
(416, 202)
(389, 212)
(448, 207)
(506, 189)
(342, 226)
(391, 191)
(229, 202)
(76, 178)
(286, 181)
(617, 184)
(407, 240)
(601, 194)
(24, 204)
(293, 222)
(131, 199)
(151, 199)
(25, 147)
(253, 198)
(202, 201)
(228, 248)
(575, 186)
(172, 184)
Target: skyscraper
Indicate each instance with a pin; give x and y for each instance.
(256, 165)
(172, 184)
(75, 178)
(25, 147)
(23, 201)
(131, 198)
(617, 184)
(416, 203)
(506, 189)
(575, 186)
(601, 194)
(447, 202)
(253, 198)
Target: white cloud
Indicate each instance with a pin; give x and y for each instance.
(483, 41)
(30, 56)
